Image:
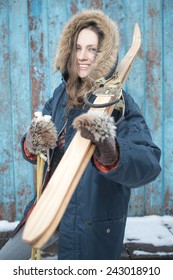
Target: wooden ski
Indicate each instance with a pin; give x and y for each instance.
(52, 204)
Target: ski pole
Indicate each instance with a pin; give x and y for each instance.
(36, 253)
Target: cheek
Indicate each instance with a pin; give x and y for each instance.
(93, 57)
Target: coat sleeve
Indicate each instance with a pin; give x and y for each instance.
(139, 156)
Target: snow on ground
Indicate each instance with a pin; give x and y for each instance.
(144, 253)
(7, 226)
(155, 230)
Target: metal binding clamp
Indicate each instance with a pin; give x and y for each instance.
(110, 87)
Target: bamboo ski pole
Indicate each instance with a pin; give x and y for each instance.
(35, 252)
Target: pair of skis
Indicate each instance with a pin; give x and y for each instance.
(53, 202)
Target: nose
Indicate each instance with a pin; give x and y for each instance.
(82, 54)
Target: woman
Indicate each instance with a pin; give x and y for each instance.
(125, 156)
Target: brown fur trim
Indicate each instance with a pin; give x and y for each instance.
(106, 58)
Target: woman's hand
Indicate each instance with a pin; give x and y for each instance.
(100, 128)
(41, 135)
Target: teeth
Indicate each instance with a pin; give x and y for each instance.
(83, 66)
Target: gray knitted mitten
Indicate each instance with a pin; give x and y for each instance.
(41, 135)
(100, 128)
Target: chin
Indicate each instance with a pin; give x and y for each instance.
(83, 74)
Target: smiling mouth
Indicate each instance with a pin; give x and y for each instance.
(83, 66)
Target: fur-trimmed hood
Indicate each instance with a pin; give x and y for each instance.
(107, 56)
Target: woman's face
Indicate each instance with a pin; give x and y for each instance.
(87, 45)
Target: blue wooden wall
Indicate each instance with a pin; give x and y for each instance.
(29, 31)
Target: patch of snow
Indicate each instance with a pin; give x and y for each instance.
(139, 252)
(7, 226)
(155, 230)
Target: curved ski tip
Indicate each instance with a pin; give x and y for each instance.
(137, 29)
(137, 35)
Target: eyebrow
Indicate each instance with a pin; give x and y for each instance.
(92, 45)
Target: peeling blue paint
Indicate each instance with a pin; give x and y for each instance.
(28, 40)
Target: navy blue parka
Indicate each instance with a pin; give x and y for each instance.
(94, 222)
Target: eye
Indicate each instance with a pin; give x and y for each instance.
(93, 50)
(78, 49)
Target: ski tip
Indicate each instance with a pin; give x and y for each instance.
(137, 35)
(137, 27)
(137, 31)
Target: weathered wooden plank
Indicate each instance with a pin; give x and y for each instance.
(140, 251)
(135, 86)
(153, 107)
(75, 6)
(7, 202)
(57, 15)
(116, 11)
(20, 101)
(167, 113)
(39, 57)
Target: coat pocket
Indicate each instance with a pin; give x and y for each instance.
(103, 239)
